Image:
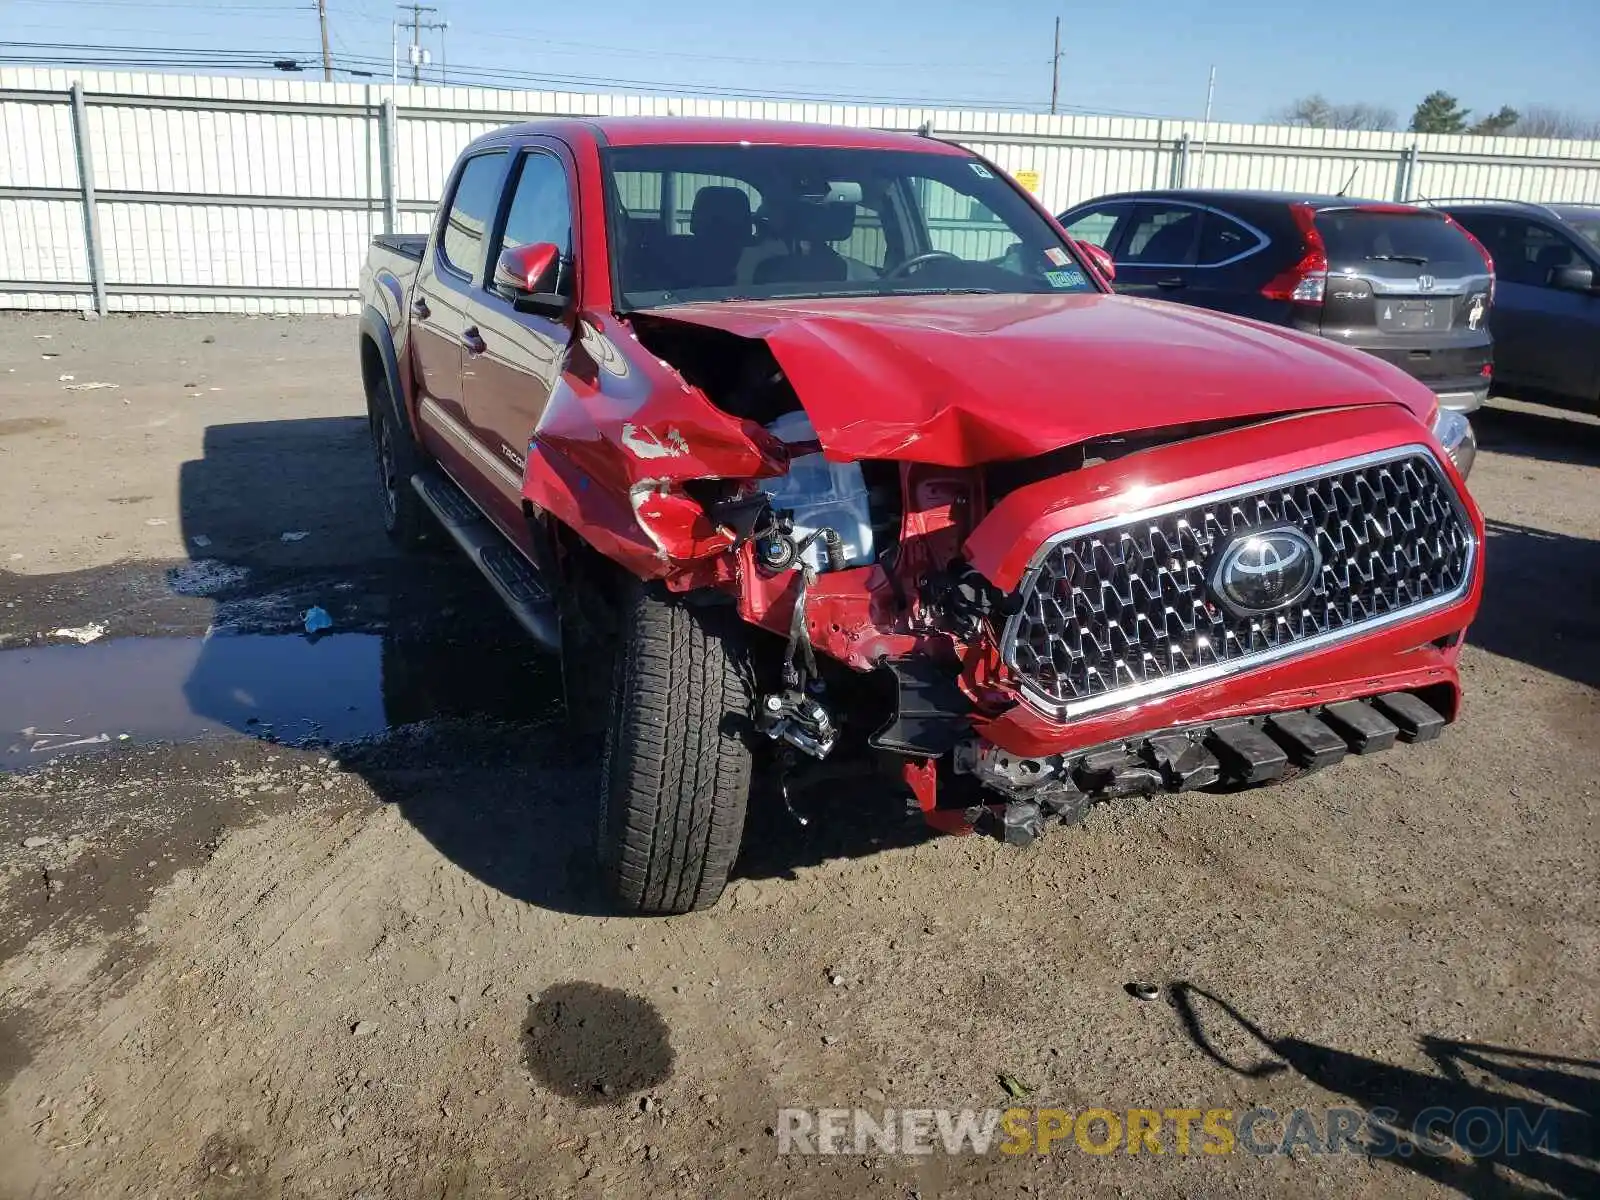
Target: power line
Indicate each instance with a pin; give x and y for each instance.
(553, 46)
(201, 5)
(48, 53)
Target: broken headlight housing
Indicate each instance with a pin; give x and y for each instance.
(818, 495)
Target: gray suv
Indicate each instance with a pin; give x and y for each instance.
(1546, 314)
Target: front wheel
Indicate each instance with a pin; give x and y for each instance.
(675, 778)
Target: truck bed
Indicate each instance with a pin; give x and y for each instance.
(392, 262)
(407, 245)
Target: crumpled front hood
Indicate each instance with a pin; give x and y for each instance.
(963, 380)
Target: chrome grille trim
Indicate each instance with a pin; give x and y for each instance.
(1454, 525)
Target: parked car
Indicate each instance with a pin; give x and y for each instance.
(1398, 281)
(1546, 315)
(805, 442)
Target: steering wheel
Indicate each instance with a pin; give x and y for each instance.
(918, 260)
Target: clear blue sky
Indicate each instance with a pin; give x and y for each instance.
(1133, 56)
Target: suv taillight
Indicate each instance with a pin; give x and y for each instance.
(1307, 281)
(1488, 259)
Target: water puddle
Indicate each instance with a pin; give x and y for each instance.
(68, 699)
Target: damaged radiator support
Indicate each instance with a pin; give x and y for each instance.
(1231, 753)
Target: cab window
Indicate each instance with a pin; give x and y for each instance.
(1161, 235)
(472, 207)
(1096, 225)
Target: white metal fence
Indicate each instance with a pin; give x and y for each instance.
(184, 193)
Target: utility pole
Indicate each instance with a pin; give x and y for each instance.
(327, 58)
(1055, 70)
(417, 26)
(1205, 134)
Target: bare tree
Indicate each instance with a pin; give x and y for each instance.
(1543, 121)
(1316, 111)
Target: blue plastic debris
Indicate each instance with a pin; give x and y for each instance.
(317, 619)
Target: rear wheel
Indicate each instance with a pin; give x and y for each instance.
(404, 516)
(675, 778)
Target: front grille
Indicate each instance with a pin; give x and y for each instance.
(1117, 611)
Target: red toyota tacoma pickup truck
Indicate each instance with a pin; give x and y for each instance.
(803, 442)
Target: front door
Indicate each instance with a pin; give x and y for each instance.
(514, 359)
(1544, 338)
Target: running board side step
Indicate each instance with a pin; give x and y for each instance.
(511, 575)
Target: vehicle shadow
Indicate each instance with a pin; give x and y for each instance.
(465, 735)
(1536, 431)
(1556, 1099)
(1522, 563)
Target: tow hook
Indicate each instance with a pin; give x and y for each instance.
(1020, 823)
(793, 717)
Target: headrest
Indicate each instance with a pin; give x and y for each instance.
(1553, 256)
(830, 221)
(719, 210)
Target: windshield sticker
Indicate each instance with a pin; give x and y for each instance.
(981, 171)
(1057, 256)
(1072, 277)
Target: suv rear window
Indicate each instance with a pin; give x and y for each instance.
(1354, 236)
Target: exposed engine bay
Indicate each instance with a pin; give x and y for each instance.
(861, 565)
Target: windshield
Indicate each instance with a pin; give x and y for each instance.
(793, 222)
(1587, 228)
(1355, 237)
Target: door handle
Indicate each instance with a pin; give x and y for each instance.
(1171, 284)
(473, 341)
(419, 308)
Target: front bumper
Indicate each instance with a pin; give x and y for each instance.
(1412, 652)
(1463, 399)
(1238, 752)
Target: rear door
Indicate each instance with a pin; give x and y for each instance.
(1155, 250)
(1231, 265)
(1406, 285)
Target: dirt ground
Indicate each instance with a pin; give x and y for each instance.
(235, 962)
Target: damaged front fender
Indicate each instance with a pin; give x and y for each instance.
(622, 433)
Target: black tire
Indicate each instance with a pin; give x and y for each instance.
(675, 777)
(405, 517)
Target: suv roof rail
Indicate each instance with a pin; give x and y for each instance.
(1435, 201)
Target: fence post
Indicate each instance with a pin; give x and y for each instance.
(1180, 163)
(386, 154)
(91, 211)
(1406, 176)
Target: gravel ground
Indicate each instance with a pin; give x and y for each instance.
(241, 963)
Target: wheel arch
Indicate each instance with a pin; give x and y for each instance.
(379, 361)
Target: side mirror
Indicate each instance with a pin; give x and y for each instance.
(527, 276)
(1101, 260)
(1573, 278)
